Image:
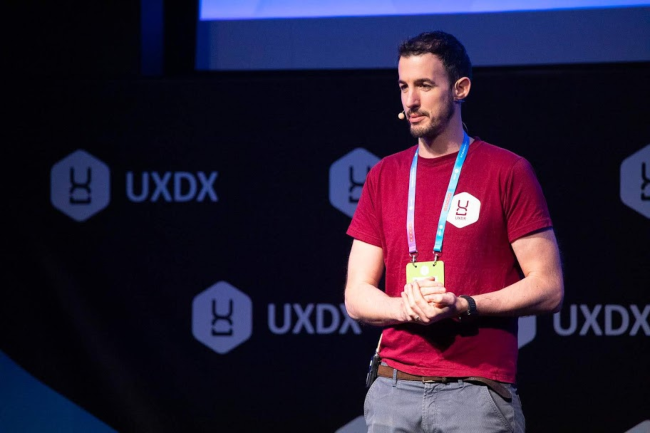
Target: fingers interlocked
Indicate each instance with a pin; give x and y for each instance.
(411, 296)
(417, 308)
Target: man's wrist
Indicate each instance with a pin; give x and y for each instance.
(471, 310)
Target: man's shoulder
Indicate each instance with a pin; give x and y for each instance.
(494, 153)
(397, 159)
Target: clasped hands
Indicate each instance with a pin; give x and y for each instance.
(427, 301)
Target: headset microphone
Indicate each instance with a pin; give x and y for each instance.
(401, 116)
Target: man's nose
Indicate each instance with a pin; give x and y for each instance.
(412, 99)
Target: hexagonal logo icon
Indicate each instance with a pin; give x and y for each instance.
(347, 176)
(464, 210)
(635, 181)
(222, 317)
(527, 330)
(80, 185)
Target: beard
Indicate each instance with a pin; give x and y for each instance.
(437, 125)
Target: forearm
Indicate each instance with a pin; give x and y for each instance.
(364, 301)
(369, 304)
(533, 295)
(540, 291)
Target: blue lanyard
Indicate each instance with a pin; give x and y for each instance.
(453, 182)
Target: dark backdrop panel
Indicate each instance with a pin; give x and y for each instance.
(101, 310)
(75, 38)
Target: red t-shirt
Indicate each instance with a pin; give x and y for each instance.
(498, 200)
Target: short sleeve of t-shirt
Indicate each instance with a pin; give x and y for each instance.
(525, 206)
(365, 222)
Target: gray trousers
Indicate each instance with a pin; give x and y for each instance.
(410, 406)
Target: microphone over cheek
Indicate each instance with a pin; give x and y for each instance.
(401, 116)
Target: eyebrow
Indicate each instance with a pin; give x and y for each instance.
(419, 81)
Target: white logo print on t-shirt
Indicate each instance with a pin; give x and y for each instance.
(465, 210)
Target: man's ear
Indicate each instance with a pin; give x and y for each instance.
(462, 88)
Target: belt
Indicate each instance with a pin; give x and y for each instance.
(499, 388)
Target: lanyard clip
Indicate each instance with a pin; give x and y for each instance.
(414, 257)
(435, 259)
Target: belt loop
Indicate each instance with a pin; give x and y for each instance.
(394, 377)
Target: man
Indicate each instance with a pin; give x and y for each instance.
(462, 230)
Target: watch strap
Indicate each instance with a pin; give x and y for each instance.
(471, 310)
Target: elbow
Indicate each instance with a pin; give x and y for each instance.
(557, 299)
(557, 307)
(350, 309)
(352, 312)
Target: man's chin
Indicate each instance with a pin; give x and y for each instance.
(418, 132)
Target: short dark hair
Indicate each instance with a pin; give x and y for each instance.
(446, 47)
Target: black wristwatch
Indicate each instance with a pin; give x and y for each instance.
(471, 311)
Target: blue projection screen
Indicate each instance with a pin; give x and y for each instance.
(338, 34)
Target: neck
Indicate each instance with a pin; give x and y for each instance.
(444, 144)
